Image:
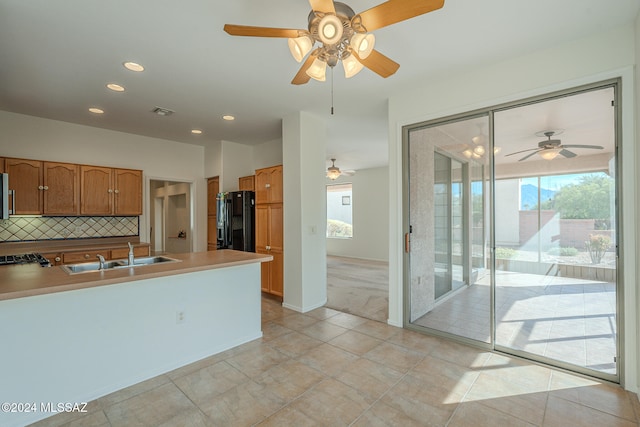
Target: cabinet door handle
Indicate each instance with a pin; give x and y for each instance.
(46, 187)
(268, 248)
(87, 256)
(267, 185)
(116, 191)
(110, 191)
(57, 259)
(40, 187)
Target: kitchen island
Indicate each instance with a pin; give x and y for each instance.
(73, 338)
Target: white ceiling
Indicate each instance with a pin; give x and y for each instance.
(57, 56)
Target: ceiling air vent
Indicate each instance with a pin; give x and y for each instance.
(162, 111)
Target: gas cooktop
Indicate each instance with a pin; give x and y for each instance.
(24, 259)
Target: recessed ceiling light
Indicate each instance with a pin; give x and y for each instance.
(115, 87)
(133, 66)
(196, 131)
(95, 110)
(228, 117)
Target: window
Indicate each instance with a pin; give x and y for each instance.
(339, 212)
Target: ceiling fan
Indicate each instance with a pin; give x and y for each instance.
(551, 148)
(342, 35)
(334, 172)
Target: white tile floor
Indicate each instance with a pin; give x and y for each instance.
(567, 319)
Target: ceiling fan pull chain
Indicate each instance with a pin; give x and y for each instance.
(332, 91)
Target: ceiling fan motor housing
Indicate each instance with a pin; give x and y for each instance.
(332, 53)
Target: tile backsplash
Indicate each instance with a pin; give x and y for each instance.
(20, 229)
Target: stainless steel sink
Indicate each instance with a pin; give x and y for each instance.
(150, 260)
(93, 267)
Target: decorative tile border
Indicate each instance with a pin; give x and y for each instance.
(19, 229)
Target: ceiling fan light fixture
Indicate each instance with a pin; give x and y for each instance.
(549, 153)
(333, 173)
(351, 66)
(363, 43)
(318, 70)
(330, 29)
(300, 46)
(479, 150)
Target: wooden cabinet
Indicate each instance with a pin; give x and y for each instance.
(127, 191)
(213, 188)
(123, 253)
(108, 191)
(61, 192)
(25, 178)
(269, 240)
(44, 188)
(246, 183)
(84, 256)
(269, 227)
(55, 258)
(268, 185)
(2, 165)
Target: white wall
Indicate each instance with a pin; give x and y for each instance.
(507, 213)
(370, 216)
(79, 345)
(43, 139)
(235, 163)
(267, 154)
(591, 59)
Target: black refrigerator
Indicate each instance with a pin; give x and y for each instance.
(236, 220)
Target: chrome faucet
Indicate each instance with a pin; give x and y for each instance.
(101, 258)
(131, 260)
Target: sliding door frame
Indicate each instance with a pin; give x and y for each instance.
(614, 83)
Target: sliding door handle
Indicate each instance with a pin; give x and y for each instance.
(407, 242)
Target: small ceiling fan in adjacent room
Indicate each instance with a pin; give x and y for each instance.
(342, 35)
(334, 172)
(551, 148)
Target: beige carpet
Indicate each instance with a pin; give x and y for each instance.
(358, 286)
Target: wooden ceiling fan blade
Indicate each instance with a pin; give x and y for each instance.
(568, 154)
(249, 31)
(393, 11)
(302, 77)
(324, 6)
(378, 63)
(529, 155)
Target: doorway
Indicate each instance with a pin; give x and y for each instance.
(512, 214)
(171, 228)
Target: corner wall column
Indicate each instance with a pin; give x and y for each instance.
(304, 138)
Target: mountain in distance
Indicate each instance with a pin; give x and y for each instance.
(529, 196)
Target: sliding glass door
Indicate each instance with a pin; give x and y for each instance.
(512, 219)
(449, 289)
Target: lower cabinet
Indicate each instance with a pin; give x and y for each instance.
(272, 273)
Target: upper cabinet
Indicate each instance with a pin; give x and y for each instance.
(25, 179)
(61, 193)
(127, 192)
(109, 191)
(43, 188)
(246, 183)
(56, 188)
(268, 185)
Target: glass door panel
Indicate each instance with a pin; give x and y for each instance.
(449, 288)
(555, 211)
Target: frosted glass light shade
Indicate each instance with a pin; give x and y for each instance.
(299, 47)
(330, 29)
(363, 44)
(351, 66)
(549, 153)
(317, 70)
